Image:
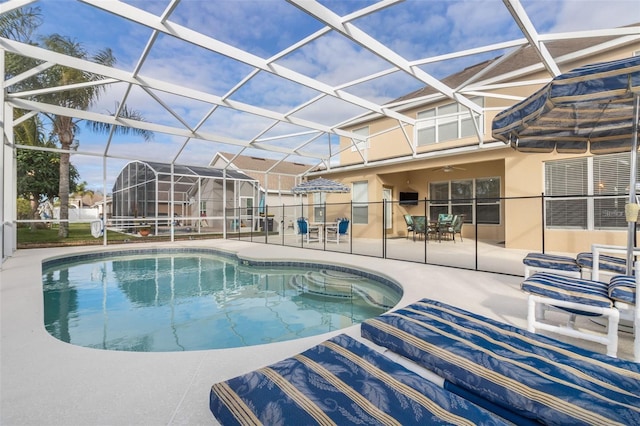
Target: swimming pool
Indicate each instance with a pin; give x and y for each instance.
(182, 300)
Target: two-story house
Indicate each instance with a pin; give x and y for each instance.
(448, 160)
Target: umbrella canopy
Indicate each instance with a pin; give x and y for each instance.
(594, 107)
(320, 185)
(590, 107)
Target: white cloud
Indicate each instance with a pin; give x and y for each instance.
(333, 59)
(578, 15)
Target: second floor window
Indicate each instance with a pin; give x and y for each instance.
(360, 198)
(446, 122)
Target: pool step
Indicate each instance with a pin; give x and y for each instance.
(338, 285)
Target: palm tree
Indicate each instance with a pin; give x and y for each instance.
(83, 191)
(19, 24)
(65, 128)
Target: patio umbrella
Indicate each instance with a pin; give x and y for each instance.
(594, 107)
(319, 185)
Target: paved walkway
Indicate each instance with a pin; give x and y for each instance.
(47, 382)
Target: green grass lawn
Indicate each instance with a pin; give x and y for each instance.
(80, 235)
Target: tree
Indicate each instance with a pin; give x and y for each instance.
(38, 174)
(82, 190)
(66, 128)
(19, 24)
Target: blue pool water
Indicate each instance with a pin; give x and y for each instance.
(172, 301)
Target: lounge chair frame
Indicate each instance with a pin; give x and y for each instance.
(539, 304)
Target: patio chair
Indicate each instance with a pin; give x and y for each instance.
(335, 231)
(444, 222)
(308, 232)
(445, 218)
(409, 221)
(419, 226)
(454, 228)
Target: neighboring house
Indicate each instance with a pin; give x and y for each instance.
(449, 157)
(276, 178)
(87, 205)
(82, 207)
(203, 196)
(101, 204)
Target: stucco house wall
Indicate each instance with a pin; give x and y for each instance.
(389, 162)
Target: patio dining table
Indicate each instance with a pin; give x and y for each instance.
(439, 226)
(321, 228)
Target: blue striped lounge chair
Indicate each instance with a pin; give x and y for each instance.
(524, 377)
(613, 300)
(576, 296)
(340, 382)
(613, 263)
(623, 290)
(543, 262)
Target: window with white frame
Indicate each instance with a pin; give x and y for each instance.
(246, 205)
(319, 198)
(447, 122)
(362, 145)
(360, 214)
(588, 193)
(457, 197)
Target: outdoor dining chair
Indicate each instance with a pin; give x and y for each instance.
(454, 228)
(307, 232)
(409, 221)
(445, 218)
(441, 225)
(419, 226)
(340, 229)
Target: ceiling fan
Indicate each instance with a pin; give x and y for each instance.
(448, 169)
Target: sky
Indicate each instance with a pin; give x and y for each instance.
(414, 29)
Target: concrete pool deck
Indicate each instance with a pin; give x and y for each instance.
(44, 381)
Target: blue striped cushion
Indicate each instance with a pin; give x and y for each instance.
(551, 261)
(535, 376)
(622, 288)
(560, 287)
(340, 381)
(606, 263)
